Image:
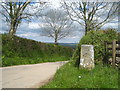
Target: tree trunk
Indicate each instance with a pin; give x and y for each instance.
(86, 28)
(12, 31)
(56, 40)
(56, 43)
(13, 28)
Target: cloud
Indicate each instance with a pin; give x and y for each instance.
(34, 26)
(28, 34)
(28, 31)
(34, 35)
(2, 31)
(111, 25)
(32, 30)
(55, 3)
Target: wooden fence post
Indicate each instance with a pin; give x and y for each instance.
(113, 52)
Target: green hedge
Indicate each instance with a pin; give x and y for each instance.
(119, 36)
(18, 50)
(96, 38)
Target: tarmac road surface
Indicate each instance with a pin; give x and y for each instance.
(29, 76)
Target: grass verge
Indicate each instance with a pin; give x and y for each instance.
(23, 61)
(69, 76)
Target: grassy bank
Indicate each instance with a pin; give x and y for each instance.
(70, 76)
(17, 51)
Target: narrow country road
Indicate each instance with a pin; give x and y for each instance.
(29, 76)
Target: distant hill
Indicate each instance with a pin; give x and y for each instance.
(71, 45)
(19, 50)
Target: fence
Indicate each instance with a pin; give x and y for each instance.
(114, 47)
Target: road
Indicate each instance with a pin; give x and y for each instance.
(29, 76)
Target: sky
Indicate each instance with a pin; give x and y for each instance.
(31, 30)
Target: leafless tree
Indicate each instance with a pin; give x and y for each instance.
(14, 12)
(57, 25)
(91, 15)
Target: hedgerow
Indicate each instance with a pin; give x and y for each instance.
(98, 39)
(18, 51)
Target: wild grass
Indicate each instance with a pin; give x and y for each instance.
(17, 51)
(26, 60)
(69, 76)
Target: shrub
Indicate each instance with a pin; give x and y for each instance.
(119, 36)
(18, 51)
(96, 38)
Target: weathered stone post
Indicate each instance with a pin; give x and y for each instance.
(87, 57)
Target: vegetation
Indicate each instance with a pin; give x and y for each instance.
(57, 25)
(14, 13)
(102, 76)
(97, 38)
(119, 36)
(85, 12)
(69, 76)
(18, 51)
(72, 45)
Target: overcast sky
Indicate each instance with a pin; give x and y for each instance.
(32, 30)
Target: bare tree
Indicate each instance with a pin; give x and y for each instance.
(14, 12)
(91, 15)
(57, 25)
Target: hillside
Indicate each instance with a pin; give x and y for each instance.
(71, 45)
(17, 51)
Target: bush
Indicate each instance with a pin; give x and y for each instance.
(96, 38)
(119, 36)
(18, 51)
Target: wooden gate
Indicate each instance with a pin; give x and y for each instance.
(114, 47)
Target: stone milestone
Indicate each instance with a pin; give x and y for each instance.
(87, 57)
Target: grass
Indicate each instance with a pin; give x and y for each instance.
(69, 76)
(22, 61)
(18, 51)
